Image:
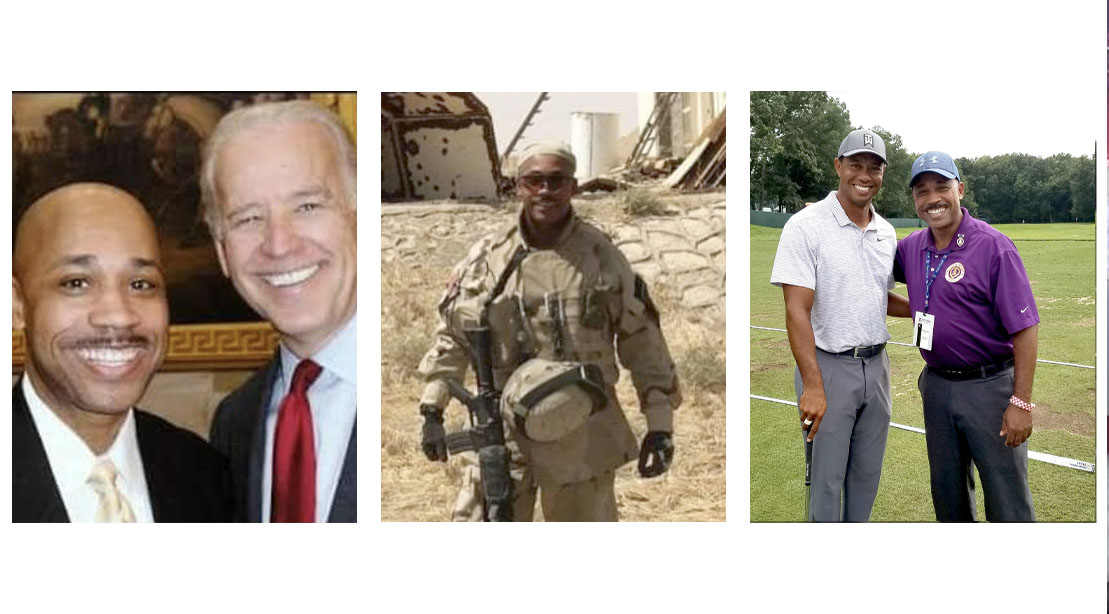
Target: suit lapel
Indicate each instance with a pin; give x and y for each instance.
(151, 468)
(35, 496)
(258, 442)
(158, 467)
(344, 507)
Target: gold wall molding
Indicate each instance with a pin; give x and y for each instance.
(199, 347)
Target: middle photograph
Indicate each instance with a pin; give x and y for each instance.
(553, 306)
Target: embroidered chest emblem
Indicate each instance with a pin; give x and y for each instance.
(959, 241)
(955, 272)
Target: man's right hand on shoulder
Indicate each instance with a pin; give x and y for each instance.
(434, 439)
(812, 407)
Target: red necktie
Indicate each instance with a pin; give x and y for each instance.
(294, 452)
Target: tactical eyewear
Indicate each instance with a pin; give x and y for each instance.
(536, 182)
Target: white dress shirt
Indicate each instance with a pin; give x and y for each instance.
(72, 461)
(334, 399)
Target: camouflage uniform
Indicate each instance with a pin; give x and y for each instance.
(603, 301)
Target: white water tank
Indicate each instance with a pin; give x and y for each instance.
(593, 139)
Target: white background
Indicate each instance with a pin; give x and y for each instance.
(976, 52)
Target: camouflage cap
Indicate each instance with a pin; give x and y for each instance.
(550, 148)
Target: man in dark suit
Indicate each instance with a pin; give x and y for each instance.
(89, 294)
(278, 188)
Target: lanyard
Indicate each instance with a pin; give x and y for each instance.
(928, 279)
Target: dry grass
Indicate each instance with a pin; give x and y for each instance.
(640, 203)
(412, 488)
(694, 488)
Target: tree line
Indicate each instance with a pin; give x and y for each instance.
(795, 136)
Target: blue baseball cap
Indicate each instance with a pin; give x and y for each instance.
(934, 162)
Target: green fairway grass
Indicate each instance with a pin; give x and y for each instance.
(1060, 263)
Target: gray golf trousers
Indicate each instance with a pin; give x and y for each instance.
(962, 420)
(851, 443)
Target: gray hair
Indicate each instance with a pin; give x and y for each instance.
(291, 112)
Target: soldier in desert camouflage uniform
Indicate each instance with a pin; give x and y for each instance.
(572, 299)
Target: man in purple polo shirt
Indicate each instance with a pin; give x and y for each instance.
(975, 322)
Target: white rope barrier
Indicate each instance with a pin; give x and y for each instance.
(1040, 456)
(909, 345)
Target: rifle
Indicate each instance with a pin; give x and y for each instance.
(486, 434)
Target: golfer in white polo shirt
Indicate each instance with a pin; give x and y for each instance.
(835, 267)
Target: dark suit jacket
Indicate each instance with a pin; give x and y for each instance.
(187, 480)
(239, 431)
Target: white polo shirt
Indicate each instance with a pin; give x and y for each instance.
(849, 268)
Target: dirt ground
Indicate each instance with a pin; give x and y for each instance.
(682, 256)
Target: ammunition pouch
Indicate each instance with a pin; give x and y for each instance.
(496, 482)
(462, 441)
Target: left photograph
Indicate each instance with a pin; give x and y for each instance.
(183, 307)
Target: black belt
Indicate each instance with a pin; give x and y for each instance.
(865, 352)
(979, 372)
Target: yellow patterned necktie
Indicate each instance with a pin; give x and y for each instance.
(113, 505)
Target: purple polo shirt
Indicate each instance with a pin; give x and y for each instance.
(980, 297)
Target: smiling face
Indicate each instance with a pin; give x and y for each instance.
(88, 292)
(545, 184)
(288, 238)
(860, 178)
(937, 201)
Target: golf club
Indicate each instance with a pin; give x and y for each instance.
(808, 475)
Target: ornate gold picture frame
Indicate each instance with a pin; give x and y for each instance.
(199, 347)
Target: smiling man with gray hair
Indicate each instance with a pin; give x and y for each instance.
(278, 185)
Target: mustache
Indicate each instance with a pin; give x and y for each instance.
(110, 341)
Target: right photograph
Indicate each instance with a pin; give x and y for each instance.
(922, 308)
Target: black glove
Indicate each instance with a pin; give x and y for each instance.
(434, 441)
(655, 454)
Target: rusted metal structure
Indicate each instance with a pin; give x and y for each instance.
(437, 145)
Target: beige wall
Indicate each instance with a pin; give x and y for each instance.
(189, 399)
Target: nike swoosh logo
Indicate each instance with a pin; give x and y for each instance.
(1024, 310)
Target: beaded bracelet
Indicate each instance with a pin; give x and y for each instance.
(1013, 400)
